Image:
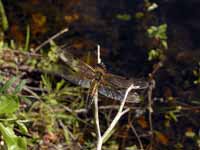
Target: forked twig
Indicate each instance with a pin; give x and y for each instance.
(120, 113)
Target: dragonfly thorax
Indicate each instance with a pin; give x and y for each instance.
(99, 73)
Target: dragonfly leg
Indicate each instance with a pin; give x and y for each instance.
(91, 93)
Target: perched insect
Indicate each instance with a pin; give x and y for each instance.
(93, 78)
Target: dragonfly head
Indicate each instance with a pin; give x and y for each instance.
(100, 72)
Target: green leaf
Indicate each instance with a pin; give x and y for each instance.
(124, 17)
(173, 116)
(163, 28)
(12, 44)
(153, 54)
(12, 141)
(47, 83)
(158, 32)
(152, 7)
(8, 104)
(22, 127)
(59, 85)
(164, 44)
(139, 15)
(52, 54)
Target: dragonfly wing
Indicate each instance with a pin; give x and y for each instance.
(71, 76)
(123, 83)
(77, 65)
(115, 94)
(75, 70)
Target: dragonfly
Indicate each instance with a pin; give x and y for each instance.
(97, 78)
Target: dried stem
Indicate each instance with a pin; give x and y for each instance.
(137, 136)
(150, 109)
(51, 38)
(120, 113)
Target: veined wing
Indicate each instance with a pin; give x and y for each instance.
(114, 87)
(77, 78)
(79, 67)
(119, 82)
(116, 94)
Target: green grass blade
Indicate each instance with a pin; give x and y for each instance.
(8, 84)
(19, 87)
(27, 38)
(3, 17)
